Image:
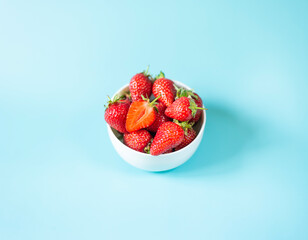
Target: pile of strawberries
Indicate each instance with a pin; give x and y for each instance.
(160, 126)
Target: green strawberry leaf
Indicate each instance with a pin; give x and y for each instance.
(160, 75)
(182, 92)
(184, 125)
(193, 107)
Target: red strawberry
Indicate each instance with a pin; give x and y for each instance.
(168, 136)
(140, 85)
(182, 92)
(137, 140)
(189, 136)
(182, 109)
(164, 87)
(160, 118)
(141, 114)
(199, 103)
(116, 112)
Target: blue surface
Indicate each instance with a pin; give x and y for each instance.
(60, 177)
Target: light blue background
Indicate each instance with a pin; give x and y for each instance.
(60, 177)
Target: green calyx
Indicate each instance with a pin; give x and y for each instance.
(148, 147)
(184, 125)
(182, 92)
(147, 74)
(193, 107)
(160, 75)
(153, 103)
(144, 98)
(115, 99)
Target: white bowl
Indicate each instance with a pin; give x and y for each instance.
(162, 162)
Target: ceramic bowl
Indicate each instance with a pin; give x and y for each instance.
(162, 162)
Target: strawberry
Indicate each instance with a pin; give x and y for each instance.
(182, 92)
(160, 118)
(141, 114)
(140, 85)
(116, 112)
(137, 140)
(164, 87)
(168, 136)
(182, 109)
(189, 136)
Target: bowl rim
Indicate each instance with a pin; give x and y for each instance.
(164, 154)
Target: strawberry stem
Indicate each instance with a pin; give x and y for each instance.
(201, 108)
(154, 101)
(144, 98)
(146, 72)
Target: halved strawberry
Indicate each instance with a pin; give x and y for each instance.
(141, 114)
